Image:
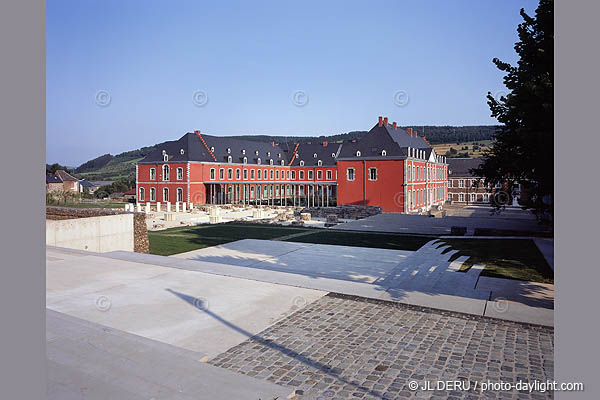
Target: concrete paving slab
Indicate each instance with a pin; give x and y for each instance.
(466, 305)
(242, 252)
(357, 264)
(202, 312)
(534, 294)
(546, 247)
(86, 361)
(519, 313)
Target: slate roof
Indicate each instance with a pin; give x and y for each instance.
(222, 147)
(326, 153)
(395, 142)
(86, 183)
(462, 166)
(51, 178)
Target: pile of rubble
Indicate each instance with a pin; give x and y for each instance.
(333, 214)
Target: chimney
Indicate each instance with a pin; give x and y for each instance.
(416, 134)
(273, 144)
(385, 120)
(409, 131)
(197, 132)
(325, 144)
(308, 143)
(394, 125)
(380, 121)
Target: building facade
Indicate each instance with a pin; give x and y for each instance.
(392, 168)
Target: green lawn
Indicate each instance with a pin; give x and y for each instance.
(180, 240)
(365, 239)
(504, 258)
(111, 204)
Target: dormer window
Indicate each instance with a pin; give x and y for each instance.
(278, 155)
(315, 155)
(319, 163)
(332, 155)
(302, 163)
(243, 151)
(229, 159)
(228, 150)
(282, 162)
(268, 154)
(258, 160)
(165, 157)
(271, 161)
(164, 152)
(181, 151)
(358, 153)
(245, 160)
(256, 152)
(383, 153)
(212, 149)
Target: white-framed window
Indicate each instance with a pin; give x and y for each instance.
(473, 197)
(259, 174)
(461, 197)
(237, 174)
(258, 160)
(271, 161)
(229, 159)
(319, 163)
(450, 183)
(182, 152)
(357, 153)
(228, 150)
(319, 175)
(152, 194)
(272, 174)
(230, 173)
(179, 173)
(245, 160)
(328, 175)
(310, 175)
(461, 183)
(212, 174)
(293, 175)
(301, 175)
(383, 153)
(165, 172)
(486, 197)
(449, 196)
(350, 174)
(245, 174)
(165, 194)
(212, 149)
(372, 174)
(142, 194)
(251, 192)
(152, 174)
(165, 158)
(277, 174)
(473, 182)
(180, 195)
(221, 174)
(282, 162)
(302, 163)
(251, 174)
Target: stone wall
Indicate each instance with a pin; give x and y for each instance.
(140, 231)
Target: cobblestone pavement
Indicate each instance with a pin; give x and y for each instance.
(347, 348)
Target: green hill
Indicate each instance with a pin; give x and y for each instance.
(122, 166)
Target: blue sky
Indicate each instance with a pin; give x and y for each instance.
(123, 74)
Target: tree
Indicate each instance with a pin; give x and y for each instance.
(523, 150)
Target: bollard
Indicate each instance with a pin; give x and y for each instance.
(139, 207)
(177, 207)
(158, 206)
(148, 208)
(183, 207)
(168, 206)
(191, 206)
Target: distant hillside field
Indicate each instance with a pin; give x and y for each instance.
(442, 138)
(473, 149)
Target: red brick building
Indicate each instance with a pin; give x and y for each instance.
(391, 168)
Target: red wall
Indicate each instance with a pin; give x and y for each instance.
(385, 192)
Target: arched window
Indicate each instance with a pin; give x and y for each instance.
(180, 195)
(258, 160)
(282, 162)
(358, 153)
(165, 194)
(142, 194)
(245, 160)
(152, 194)
(383, 153)
(228, 150)
(302, 163)
(181, 152)
(332, 155)
(229, 159)
(212, 149)
(271, 161)
(165, 158)
(165, 172)
(319, 163)
(315, 155)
